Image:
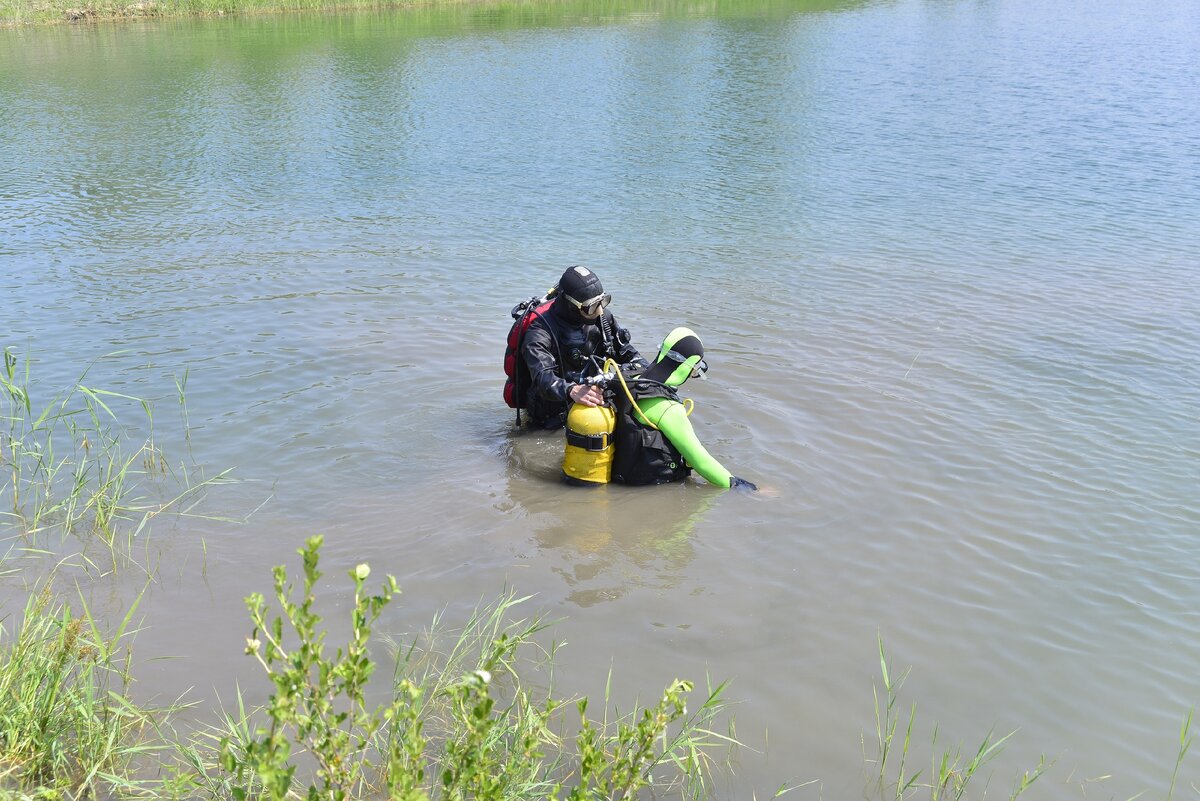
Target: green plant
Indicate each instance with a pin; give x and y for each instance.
(1185, 742)
(447, 732)
(886, 721)
(67, 726)
(318, 701)
(67, 468)
(950, 773)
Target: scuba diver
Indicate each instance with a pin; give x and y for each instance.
(564, 345)
(645, 437)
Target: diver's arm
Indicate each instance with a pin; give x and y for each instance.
(541, 357)
(676, 427)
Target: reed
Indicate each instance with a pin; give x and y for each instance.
(67, 726)
(69, 467)
(951, 771)
(671, 748)
(472, 713)
(1185, 742)
(469, 712)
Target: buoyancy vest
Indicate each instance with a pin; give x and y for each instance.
(516, 385)
(644, 454)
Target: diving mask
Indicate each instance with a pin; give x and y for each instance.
(591, 309)
(698, 369)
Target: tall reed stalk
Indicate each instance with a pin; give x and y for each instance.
(951, 772)
(1185, 742)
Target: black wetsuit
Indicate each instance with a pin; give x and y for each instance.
(556, 349)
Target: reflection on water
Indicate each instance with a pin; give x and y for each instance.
(941, 254)
(606, 539)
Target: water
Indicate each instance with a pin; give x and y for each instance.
(942, 256)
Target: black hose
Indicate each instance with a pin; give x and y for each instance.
(607, 336)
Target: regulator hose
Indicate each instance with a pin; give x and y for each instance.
(688, 403)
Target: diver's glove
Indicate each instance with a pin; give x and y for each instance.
(742, 484)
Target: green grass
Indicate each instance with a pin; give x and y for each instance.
(26, 12)
(67, 728)
(471, 712)
(952, 773)
(516, 12)
(463, 719)
(68, 469)
(678, 761)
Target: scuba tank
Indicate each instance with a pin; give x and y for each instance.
(589, 451)
(588, 456)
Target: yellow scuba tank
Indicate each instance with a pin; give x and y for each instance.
(588, 456)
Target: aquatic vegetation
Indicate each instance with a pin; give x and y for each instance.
(950, 772)
(1185, 742)
(466, 714)
(67, 467)
(459, 723)
(953, 774)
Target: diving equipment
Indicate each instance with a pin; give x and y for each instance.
(581, 296)
(516, 385)
(680, 358)
(588, 455)
(590, 309)
(644, 455)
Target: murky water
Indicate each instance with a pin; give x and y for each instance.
(943, 256)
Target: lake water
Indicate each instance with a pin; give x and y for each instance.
(942, 255)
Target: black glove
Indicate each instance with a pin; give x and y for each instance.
(741, 484)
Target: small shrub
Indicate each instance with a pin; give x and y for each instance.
(445, 733)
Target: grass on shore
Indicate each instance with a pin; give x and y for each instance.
(41, 12)
(459, 723)
(478, 719)
(463, 722)
(67, 728)
(22, 12)
(470, 721)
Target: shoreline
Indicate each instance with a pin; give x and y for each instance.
(68, 12)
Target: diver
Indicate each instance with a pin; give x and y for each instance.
(567, 344)
(655, 442)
